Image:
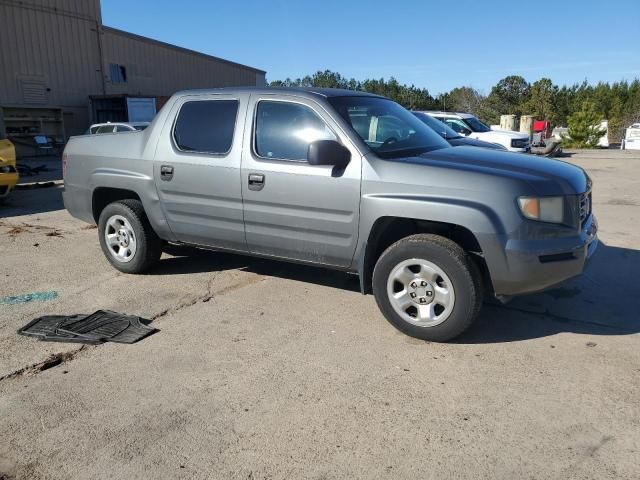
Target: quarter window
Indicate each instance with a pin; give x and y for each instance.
(284, 130)
(457, 125)
(105, 129)
(206, 126)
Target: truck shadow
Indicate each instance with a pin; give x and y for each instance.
(185, 260)
(41, 198)
(605, 300)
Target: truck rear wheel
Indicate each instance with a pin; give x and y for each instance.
(127, 238)
(428, 287)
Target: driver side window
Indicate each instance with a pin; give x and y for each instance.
(284, 130)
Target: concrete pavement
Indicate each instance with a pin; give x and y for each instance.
(268, 370)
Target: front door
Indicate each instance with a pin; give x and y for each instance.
(197, 170)
(292, 209)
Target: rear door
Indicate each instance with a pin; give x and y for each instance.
(197, 170)
(292, 209)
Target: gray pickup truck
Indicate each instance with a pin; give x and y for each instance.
(338, 179)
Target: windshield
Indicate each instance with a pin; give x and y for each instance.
(388, 129)
(441, 128)
(476, 125)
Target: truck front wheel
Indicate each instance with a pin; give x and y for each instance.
(126, 237)
(428, 287)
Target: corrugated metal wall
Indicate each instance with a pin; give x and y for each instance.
(49, 55)
(54, 52)
(154, 68)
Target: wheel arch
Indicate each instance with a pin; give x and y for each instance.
(387, 230)
(103, 196)
(109, 185)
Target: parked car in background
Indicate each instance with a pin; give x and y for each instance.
(453, 137)
(631, 140)
(338, 179)
(8, 172)
(116, 127)
(470, 126)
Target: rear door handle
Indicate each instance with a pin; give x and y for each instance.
(256, 181)
(166, 172)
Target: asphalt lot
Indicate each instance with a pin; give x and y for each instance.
(268, 370)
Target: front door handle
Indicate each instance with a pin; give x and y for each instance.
(166, 172)
(256, 181)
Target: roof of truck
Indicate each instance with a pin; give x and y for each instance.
(311, 91)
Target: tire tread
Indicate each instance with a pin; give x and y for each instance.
(467, 268)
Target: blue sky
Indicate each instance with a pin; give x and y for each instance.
(436, 45)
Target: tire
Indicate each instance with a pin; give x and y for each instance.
(133, 246)
(428, 287)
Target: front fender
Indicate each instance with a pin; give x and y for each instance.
(480, 219)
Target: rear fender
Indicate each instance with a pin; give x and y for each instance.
(143, 186)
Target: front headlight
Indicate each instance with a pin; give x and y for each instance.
(543, 209)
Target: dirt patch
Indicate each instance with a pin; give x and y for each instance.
(15, 231)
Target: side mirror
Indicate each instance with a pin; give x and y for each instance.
(466, 132)
(328, 152)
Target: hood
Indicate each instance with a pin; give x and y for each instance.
(473, 142)
(546, 176)
(509, 133)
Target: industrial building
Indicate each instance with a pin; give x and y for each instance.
(62, 69)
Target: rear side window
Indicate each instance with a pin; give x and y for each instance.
(206, 126)
(284, 130)
(105, 129)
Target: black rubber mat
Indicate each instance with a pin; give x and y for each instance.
(45, 328)
(108, 326)
(101, 326)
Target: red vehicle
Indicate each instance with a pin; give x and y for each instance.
(543, 127)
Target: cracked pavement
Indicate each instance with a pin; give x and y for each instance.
(268, 370)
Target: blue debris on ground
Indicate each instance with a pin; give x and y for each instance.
(29, 297)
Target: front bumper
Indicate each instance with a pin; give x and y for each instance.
(8, 182)
(534, 265)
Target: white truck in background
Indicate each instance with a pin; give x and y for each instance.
(631, 140)
(470, 126)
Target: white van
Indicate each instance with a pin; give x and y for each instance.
(631, 140)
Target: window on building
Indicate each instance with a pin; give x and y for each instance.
(284, 130)
(118, 73)
(206, 126)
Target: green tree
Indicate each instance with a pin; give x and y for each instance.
(464, 99)
(510, 95)
(542, 100)
(616, 120)
(584, 127)
(618, 102)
